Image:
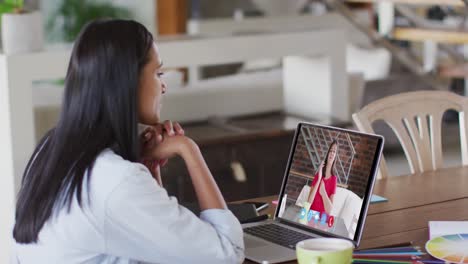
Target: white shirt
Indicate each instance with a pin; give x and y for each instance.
(131, 219)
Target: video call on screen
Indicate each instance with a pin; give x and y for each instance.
(327, 179)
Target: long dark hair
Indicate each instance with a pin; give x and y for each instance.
(334, 142)
(99, 111)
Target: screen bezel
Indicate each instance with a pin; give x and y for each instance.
(368, 193)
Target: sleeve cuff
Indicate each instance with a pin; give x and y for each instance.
(219, 217)
(226, 223)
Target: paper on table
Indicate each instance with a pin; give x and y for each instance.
(377, 199)
(441, 228)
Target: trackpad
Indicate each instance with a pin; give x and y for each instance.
(254, 243)
(260, 251)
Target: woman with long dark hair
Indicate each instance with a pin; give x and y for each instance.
(324, 183)
(86, 197)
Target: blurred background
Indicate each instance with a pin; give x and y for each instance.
(242, 73)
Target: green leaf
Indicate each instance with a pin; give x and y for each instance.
(7, 5)
(14, 3)
(74, 14)
(6, 8)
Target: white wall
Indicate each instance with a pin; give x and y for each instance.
(7, 200)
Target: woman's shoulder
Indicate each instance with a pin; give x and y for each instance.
(332, 178)
(110, 169)
(108, 160)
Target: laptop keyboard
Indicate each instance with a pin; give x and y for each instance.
(277, 234)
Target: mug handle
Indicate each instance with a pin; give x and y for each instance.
(315, 260)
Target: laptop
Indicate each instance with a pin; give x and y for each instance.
(309, 206)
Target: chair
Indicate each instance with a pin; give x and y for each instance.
(347, 206)
(350, 212)
(339, 201)
(416, 119)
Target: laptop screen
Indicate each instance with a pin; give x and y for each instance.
(329, 180)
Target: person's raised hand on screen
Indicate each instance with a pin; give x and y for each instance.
(319, 173)
(322, 190)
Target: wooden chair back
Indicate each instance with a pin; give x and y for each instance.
(416, 119)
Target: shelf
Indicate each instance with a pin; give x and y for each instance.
(441, 36)
(414, 2)
(454, 71)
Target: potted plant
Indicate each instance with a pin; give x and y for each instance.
(21, 30)
(70, 16)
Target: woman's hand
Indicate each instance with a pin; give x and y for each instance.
(154, 135)
(172, 146)
(320, 169)
(322, 190)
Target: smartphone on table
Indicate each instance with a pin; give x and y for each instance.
(259, 206)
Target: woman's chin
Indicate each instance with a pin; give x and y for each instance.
(151, 121)
(157, 117)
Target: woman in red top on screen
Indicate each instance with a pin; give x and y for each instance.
(324, 183)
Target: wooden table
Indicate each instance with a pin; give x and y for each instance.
(413, 200)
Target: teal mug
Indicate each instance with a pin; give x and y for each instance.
(325, 251)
